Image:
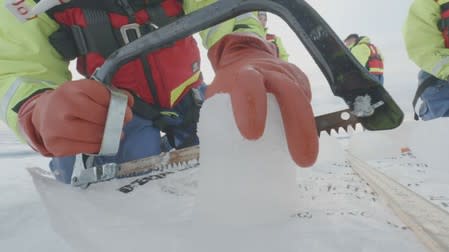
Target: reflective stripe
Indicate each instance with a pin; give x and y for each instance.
(439, 66)
(169, 114)
(176, 93)
(210, 33)
(376, 70)
(6, 100)
(246, 15)
(8, 97)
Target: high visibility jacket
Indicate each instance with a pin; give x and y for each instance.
(368, 55)
(276, 40)
(29, 63)
(423, 39)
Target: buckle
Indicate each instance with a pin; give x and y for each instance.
(130, 27)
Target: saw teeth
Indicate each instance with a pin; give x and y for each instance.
(164, 169)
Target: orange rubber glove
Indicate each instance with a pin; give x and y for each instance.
(247, 68)
(68, 120)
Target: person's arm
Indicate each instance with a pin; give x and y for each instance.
(281, 49)
(361, 52)
(29, 64)
(244, 23)
(424, 41)
(38, 100)
(247, 68)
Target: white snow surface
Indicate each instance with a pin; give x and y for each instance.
(245, 195)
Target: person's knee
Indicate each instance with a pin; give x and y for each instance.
(435, 102)
(62, 168)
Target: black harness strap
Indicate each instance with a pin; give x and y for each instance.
(64, 42)
(126, 6)
(142, 109)
(158, 16)
(98, 34)
(240, 26)
(155, 113)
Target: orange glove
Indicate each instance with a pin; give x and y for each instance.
(68, 120)
(247, 68)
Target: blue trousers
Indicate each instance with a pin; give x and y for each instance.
(141, 139)
(435, 99)
(379, 77)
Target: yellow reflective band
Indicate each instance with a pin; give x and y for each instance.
(6, 100)
(176, 93)
(169, 114)
(439, 65)
(376, 70)
(211, 33)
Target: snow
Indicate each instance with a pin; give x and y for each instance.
(25, 225)
(423, 169)
(246, 196)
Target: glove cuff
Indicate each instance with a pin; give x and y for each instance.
(26, 126)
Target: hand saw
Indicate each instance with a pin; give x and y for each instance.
(182, 159)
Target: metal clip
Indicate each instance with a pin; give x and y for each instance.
(95, 174)
(130, 27)
(362, 106)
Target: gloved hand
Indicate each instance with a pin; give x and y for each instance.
(68, 120)
(247, 68)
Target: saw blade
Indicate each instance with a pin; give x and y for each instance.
(342, 119)
(172, 161)
(189, 157)
(186, 158)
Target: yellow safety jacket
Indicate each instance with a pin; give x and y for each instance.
(423, 39)
(29, 63)
(368, 55)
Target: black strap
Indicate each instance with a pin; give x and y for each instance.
(240, 26)
(158, 16)
(189, 118)
(145, 110)
(126, 6)
(154, 113)
(64, 43)
(429, 81)
(150, 112)
(99, 35)
(103, 5)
